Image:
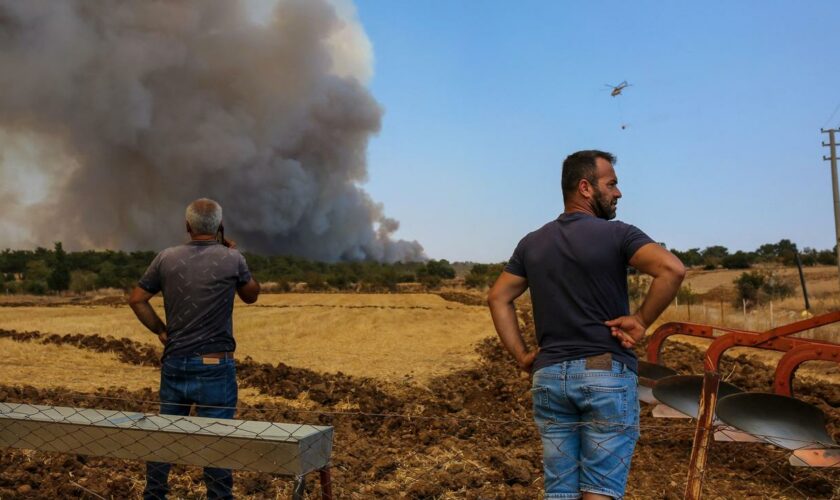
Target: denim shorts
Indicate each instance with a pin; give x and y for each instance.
(589, 425)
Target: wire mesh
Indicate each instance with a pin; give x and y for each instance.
(471, 435)
(374, 456)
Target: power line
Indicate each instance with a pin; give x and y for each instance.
(836, 108)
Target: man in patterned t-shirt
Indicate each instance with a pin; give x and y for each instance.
(584, 371)
(198, 281)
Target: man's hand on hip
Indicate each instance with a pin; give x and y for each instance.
(163, 337)
(627, 329)
(526, 360)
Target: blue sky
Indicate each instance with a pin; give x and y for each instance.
(483, 100)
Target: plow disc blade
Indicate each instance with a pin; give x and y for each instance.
(786, 422)
(682, 392)
(649, 373)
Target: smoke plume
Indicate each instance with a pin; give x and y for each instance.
(122, 112)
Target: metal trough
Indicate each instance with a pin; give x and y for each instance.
(286, 449)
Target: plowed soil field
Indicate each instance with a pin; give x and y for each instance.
(465, 432)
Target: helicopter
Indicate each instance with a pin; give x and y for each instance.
(616, 89)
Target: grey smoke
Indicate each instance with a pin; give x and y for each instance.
(142, 106)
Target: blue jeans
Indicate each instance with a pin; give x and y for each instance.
(589, 424)
(185, 381)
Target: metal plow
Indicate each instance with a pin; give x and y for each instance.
(781, 419)
(776, 418)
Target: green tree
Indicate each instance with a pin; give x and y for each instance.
(59, 278)
(738, 260)
(107, 276)
(690, 257)
(35, 277)
(713, 256)
(82, 281)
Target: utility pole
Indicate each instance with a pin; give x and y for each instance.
(832, 144)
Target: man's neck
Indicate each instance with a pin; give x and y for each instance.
(576, 206)
(202, 237)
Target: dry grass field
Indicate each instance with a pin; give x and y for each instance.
(394, 338)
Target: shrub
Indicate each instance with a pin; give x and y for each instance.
(35, 287)
(685, 295)
(738, 260)
(483, 275)
(637, 286)
(757, 287)
(440, 268)
(827, 257)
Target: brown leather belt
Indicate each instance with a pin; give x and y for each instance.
(218, 355)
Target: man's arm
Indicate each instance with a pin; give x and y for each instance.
(139, 302)
(668, 273)
(249, 291)
(500, 299)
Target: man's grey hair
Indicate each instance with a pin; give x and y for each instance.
(204, 216)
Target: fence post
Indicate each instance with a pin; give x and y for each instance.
(702, 436)
(299, 487)
(744, 304)
(326, 483)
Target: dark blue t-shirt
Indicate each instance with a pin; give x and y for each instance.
(199, 282)
(576, 267)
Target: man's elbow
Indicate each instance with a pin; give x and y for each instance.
(136, 299)
(676, 269)
(494, 298)
(250, 292)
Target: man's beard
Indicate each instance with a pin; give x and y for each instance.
(602, 207)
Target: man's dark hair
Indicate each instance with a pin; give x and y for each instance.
(581, 165)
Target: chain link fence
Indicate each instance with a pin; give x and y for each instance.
(469, 435)
(54, 451)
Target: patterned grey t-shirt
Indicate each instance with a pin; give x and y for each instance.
(198, 281)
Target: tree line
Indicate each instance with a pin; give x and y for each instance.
(43, 270)
(784, 252)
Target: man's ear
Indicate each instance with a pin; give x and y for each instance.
(189, 229)
(585, 188)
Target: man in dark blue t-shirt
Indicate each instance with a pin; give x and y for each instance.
(584, 371)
